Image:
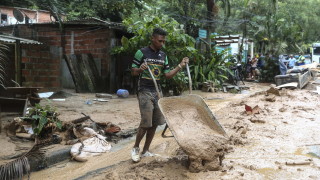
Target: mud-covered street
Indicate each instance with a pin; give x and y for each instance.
(279, 142)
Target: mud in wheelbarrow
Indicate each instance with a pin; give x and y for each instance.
(196, 130)
(189, 113)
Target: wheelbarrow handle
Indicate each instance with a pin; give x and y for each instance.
(189, 77)
(154, 80)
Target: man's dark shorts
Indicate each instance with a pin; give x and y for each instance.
(149, 109)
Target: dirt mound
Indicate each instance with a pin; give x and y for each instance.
(151, 169)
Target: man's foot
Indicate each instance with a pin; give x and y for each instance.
(135, 154)
(147, 154)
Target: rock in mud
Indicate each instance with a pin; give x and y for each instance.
(274, 91)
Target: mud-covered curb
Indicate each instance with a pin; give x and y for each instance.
(55, 154)
(58, 153)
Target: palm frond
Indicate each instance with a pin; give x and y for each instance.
(3, 62)
(15, 169)
(19, 167)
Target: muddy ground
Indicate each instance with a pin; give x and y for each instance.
(281, 142)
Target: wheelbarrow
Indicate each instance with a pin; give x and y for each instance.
(190, 107)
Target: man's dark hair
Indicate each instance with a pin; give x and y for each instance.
(159, 31)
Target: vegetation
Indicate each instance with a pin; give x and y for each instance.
(212, 67)
(276, 27)
(44, 120)
(178, 44)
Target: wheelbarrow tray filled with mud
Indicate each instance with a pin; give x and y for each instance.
(189, 116)
(196, 130)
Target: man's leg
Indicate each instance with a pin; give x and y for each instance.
(135, 156)
(150, 134)
(141, 132)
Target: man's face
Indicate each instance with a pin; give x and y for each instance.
(158, 41)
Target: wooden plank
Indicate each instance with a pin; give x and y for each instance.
(91, 73)
(84, 72)
(18, 62)
(73, 67)
(23, 90)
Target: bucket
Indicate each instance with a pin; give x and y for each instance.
(123, 93)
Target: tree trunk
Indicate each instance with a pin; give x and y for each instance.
(210, 17)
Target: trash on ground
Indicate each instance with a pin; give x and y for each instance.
(25, 135)
(58, 99)
(317, 81)
(257, 121)
(250, 110)
(207, 87)
(123, 93)
(297, 163)
(45, 94)
(91, 144)
(318, 90)
(292, 85)
(274, 91)
(89, 102)
(103, 95)
(101, 100)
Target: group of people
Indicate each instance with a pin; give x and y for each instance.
(254, 66)
(285, 64)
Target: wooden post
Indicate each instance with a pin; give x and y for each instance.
(0, 119)
(18, 62)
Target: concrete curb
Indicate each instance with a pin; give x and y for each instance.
(57, 153)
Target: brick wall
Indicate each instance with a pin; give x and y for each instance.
(40, 67)
(96, 42)
(42, 64)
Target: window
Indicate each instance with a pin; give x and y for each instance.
(316, 50)
(4, 19)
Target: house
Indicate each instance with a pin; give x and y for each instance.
(39, 58)
(232, 44)
(14, 15)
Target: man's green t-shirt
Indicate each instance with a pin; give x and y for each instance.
(157, 62)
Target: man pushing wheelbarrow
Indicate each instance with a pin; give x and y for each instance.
(151, 63)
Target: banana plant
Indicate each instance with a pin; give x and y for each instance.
(210, 68)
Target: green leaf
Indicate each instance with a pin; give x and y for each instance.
(36, 117)
(58, 124)
(124, 42)
(190, 48)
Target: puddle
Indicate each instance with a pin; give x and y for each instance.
(245, 92)
(314, 151)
